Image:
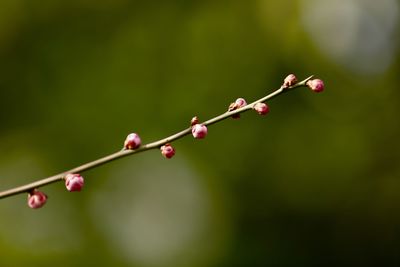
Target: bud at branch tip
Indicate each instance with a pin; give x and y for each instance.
(316, 85)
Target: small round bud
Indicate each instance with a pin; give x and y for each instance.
(290, 80)
(132, 141)
(74, 182)
(36, 199)
(316, 85)
(194, 121)
(261, 108)
(240, 102)
(199, 131)
(167, 151)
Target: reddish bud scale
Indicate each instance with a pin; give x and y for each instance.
(316, 85)
(236, 116)
(199, 131)
(74, 182)
(36, 199)
(132, 141)
(167, 151)
(232, 106)
(194, 121)
(261, 108)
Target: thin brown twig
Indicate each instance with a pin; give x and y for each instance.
(153, 145)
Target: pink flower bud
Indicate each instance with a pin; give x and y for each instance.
(194, 121)
(290, 80)
(73, 182)
(199, 131)
(132, 141)
(36, 199)
(167, 151)
(261, 108)
(240, 102)
(316, 85)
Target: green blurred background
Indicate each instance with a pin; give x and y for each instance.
(315, 183)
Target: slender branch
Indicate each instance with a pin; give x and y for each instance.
(156, 144)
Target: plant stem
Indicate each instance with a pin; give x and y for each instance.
(156, 144)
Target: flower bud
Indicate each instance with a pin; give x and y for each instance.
(261, 108)
(194, 121)
(132, 141)
(316, 85)
(167, 151)
(199, 131)
(73, 182)
(240, 102)
(290, 80)
(36, 199)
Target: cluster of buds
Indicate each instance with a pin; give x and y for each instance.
(315, 85)
(199, 131)
(74, 182)
(240, 102)
(260, 108)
